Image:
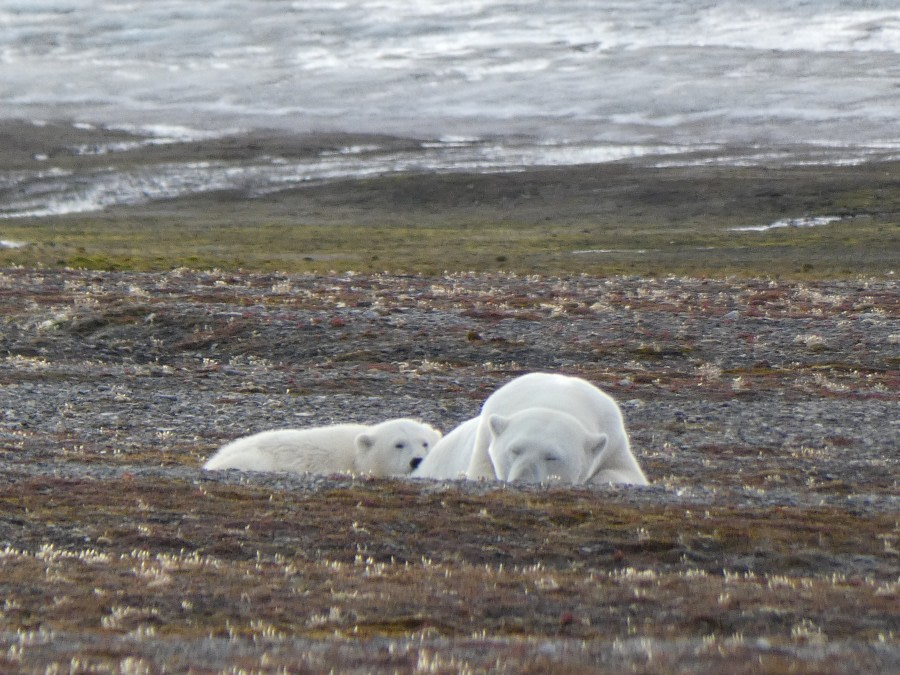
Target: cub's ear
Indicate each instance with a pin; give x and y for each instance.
(497, 424)
(365, 442)
(595, 446)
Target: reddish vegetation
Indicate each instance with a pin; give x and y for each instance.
(762, 413)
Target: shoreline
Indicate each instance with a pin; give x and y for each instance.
(261, 162)
(30, 144)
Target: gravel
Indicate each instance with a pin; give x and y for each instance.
(162, 368)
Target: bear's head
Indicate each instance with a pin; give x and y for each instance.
(395, 447)
(540, 445)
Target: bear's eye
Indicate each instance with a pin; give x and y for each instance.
(424, 444)
(551, 458)
(516, 451)
(399, 445)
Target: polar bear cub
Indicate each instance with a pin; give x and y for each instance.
(542, 427)
(395, 447)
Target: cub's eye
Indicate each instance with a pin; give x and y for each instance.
(425, 444)
(400, 445)
(551, 458)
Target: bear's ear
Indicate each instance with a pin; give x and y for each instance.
(431, 433)
(365, 442)
(596, 444)
(498, 424)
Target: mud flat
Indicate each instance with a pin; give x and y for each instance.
(763, 411)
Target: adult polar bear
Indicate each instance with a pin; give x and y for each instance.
(536, 428)
(394, 447)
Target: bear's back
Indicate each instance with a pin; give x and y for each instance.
(595, 409)
(318, 449)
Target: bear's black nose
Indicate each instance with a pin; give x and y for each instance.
(415, 461)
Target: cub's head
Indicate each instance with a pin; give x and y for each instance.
(539, 445)
(395, 447)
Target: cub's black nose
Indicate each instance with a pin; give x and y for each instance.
(415, 461)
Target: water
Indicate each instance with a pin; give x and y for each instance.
(485, 85)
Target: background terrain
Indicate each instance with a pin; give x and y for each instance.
(758, 373)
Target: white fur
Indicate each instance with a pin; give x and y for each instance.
(542, 427)
(391, 448)
(450, 458)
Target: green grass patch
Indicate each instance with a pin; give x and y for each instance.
(600, 221)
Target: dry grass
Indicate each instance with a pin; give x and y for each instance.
(172, 559)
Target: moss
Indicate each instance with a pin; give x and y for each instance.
(653, 223)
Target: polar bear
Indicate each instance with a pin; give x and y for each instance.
(542, 427)
(394, 447)
(451, 456)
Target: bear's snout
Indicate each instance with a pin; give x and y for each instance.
(414, 462)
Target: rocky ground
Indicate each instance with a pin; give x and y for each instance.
(765, 415)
